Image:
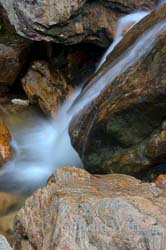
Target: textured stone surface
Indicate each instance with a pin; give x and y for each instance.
(46, 86)
(5, 148)
(123, 130)
(69, 22)
(77, 210)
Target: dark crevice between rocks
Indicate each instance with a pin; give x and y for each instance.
(157, 168)
(77, 62)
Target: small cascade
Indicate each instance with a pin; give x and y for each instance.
(140, 47)
(44, 145)
(123, 22)
(40, 147)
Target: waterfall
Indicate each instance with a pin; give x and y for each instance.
(130, 19)
(45, 145)
(140, 47)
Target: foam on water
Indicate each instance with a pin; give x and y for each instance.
(41, 147)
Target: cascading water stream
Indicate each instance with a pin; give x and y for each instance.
(141, 46)
(44, 145)
(131, 20)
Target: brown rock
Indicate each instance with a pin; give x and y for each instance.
(129, 5)
(46, 86)
(118, 130)
(6, 226)
(12, 56)
(161, 181)
(67, 22)
(13, 51)
(7, 201)
(5, 148)
(77, 210)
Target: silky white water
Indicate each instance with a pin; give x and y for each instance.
(141, 46)
(44, 145)
(131, 19)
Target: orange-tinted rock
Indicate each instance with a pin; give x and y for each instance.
(5, 148)
(7, 201)
(46, 86)
(77, 210)
(161, 180)
(122, 129)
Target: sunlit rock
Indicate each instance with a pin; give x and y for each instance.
(5, 147)
(77, 210)
(46, 86)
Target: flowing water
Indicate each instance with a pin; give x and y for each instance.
(123, 22)
(42, 145)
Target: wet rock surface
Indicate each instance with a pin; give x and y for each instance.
(77, 210)
(46, 86)
(123, 129)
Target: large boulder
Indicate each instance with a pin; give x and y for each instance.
(67, 22)
(46, 86)
(123, 129)
(77, 210)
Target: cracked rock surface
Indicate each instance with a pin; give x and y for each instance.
(80, 211)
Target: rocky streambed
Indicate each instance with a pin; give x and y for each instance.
(62, 109)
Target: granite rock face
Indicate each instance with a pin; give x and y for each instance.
(123, 129)
(69, 22)
(77, 210)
